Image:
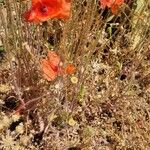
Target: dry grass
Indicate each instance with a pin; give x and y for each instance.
(109, 107)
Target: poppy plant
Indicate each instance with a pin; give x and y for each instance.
(52, 67)
(43, 10)
(113, 4)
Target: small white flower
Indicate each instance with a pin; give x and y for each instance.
(57, 86)
(18, 147)
(6, 120)
(20, 128)
(7, 141)
(4, 88)
(15, 117)
(24, 139)
(96, 66)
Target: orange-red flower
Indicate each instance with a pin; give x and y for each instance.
(51, 67)
(43, 10)
(70, 69)
(113, 4)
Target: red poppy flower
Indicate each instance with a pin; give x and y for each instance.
(43, 10)
(51, 67)
(113, 4)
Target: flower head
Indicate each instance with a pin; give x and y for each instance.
(74, 80)
(7, 141)
(52, 67)
(43, 10)
(70, 69)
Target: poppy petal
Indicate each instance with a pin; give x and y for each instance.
(29, 16)
(48, 72)
(114, 9)
(113, 4)
(54, 59)
(65, 11)
(35, 2)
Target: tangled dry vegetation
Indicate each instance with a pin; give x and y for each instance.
(105, 107)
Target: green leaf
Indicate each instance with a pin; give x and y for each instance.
(81, 94)
(2, 49)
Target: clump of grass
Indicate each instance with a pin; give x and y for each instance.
(108, 106)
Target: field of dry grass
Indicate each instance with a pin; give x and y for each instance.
(104, 105)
